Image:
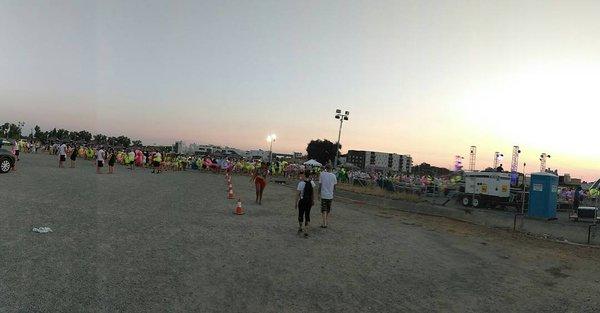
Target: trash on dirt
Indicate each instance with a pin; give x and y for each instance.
(42, 230)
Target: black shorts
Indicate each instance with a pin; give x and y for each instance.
(17, 152)
(326, 205)
(100, 163)
(73, 158)
(156, 163)
(63, 158)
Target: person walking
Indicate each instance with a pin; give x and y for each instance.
(62, 155)
(305, 199)
(100, 155)
(17, 150)
(156, 162)
(112, 158)
(130, 159)
(73, 155)
(327, 180)
(260, 182)
(576, 198)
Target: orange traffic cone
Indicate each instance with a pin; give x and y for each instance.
(230, 194)
(238, 208)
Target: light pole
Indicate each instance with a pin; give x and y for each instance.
(342, 118)
(270, 139)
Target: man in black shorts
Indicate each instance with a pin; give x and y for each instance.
(327, 180)
(100, 155)
(62, 151)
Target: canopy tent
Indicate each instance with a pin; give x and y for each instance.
(313, 162)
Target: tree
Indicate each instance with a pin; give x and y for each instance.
(84, 135)
(323, 151)
(100, 139)
(136, 143)
(62, 134)
(37, 133)
(11, 130)
(427, 169)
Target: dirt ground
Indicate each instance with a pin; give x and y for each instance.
(139, 242)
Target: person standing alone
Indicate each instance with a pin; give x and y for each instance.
(100, 155)
(327, 180)
(73, 156)
(62, 155)
(305, 199)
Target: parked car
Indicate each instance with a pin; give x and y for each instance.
(7, 160)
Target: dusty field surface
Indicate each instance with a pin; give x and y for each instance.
(139, 242)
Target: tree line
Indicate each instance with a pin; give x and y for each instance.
(14, 131)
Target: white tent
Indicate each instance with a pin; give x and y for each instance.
(313, 162)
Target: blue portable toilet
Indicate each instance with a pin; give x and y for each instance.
(543, 195)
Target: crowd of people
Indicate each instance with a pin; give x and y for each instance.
(68, 154)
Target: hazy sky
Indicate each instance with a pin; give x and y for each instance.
(426, 78)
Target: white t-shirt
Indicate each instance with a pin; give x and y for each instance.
(63, 149)
(328, 182)
(100, 155)
(301, 187)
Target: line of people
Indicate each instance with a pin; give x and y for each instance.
(108, 157)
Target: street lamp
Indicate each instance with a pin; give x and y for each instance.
(342, 117)
(270, 139)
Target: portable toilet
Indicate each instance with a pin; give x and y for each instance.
(543, 195)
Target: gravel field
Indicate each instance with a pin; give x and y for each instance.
(140, 242)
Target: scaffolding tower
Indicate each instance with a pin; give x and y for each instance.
(514, 166)
(472, 158)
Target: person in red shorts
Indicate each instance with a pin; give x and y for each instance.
(260, 182)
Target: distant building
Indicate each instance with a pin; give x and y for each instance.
(372, 160)
(297, 155)
(282, 156)
(257, 155)
(178, 147)
(217, 151)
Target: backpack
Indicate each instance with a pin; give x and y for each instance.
(307, 193)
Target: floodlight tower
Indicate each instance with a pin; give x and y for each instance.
(514, 166)
(543, 158)
(497, 158)
(472, 158)
(342, 117)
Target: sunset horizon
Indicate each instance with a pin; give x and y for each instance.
(428, 79)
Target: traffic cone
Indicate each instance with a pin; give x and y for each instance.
(230, 186)
(238, 208)
(230, 194)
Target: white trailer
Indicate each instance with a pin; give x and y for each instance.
(483, 188)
